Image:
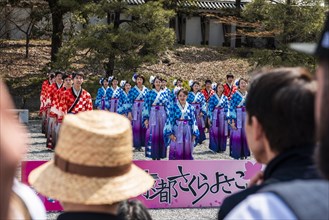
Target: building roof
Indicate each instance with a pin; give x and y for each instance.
(200, 4)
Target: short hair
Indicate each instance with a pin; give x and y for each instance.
(183, 91)
(140, 76)
(230, 75)
(66, 76)
(80, 73)
(282, 100)
(207, 81)
(58, 72)
(52, 75)
(219, 84)
(133, 210)
(163, 80)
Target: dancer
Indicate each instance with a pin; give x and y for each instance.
(55, 112)
(115, 97)
(164, 85)
(229, 87)
(101, 102)
(181, 129)
(197, 100)
(126, 86)
(136, 97)
(44, 101)
(155, 112)
(237, 115)
(76, 99)
(51, 117)
(178, 83)
(217, 114)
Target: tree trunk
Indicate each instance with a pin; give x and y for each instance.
(58, 27)
(109, 66)
(27, 45)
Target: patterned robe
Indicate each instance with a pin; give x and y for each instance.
(237, 113)
(116, 98)
(155, 110)
(135, 103)
(44, 95)
(84, 102)
(229, 90)
(52, 91)
(207, 94)
(198, 102)
(217, 113)
(182, 124)
(101, 101)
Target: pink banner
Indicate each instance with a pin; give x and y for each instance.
(182, 184)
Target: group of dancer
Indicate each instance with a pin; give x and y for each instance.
(178, 118)
(61, 94)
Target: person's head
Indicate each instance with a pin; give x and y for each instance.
(140, 79)
(163, 83)
(126, 86)
(67, 81)
(13, 139)
(178, 82)
(182, 95)
(280, 112)
(78, 78)
(107, 178)
(58, 77)
(51, 76)
(104, 82)
(133, 210)
(229, 78)
(195, 86)
(156, 82)
(114, 81)
(219, 88)
(242, 84)
(208, 84)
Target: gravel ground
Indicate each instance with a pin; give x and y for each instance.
(38, 151)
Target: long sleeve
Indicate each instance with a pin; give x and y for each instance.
(194, 126)
(203, 104)
(190, 97)
(147, 106)
(211, 107)
(89, 103)
(108, 96)
(122, 101)
(226, 106)
(100, 94)
(236, 99)
(132, 95)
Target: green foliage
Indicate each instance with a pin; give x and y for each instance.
(292, 21)
(129, 42)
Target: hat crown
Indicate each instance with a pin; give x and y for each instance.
(95, 138)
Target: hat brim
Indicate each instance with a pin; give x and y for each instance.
(65, 187)
(307, 48)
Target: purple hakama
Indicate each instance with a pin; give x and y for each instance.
(156, 148)
(139, 131)
(238, 142)
(200, 122)
(114, 105)
(182, 148)
(218, 131)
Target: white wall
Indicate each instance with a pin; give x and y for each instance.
(193, 31)
(216, 35)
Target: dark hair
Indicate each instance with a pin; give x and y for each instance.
(322, 151)
(183, 91)
(163, 80)
(282, 100)
(219, 84)
(66, 76)
(58, 72)
(133, 210)
(207, 81)
(80, 73)
(140, 76)
(230, 75)
(195, 82)
(103, 80)
(156, 78)
(241, 79)
(52, 75)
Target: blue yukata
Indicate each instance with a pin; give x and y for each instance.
(155, 110)
(116, 98)
(198, 101)
(101, 101)
(217, 114)
(135, 105)
(237, 113)
(182, 124)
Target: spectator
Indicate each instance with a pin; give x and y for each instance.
(279, 129)
(300, 199)
(92, 170)
(133, 210)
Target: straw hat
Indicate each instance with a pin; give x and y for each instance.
(93, 162)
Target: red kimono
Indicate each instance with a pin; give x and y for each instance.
(207, 94)
(70, 103)
(229, 90)
(44, 95)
